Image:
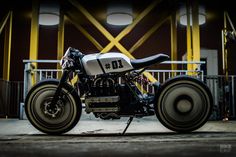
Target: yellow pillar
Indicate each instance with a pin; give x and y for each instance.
(195, 34)
(224, 49)
(33, 54)
(189, 37)
(60, 37)
(7, 49)
(173, 41)
(60, 40)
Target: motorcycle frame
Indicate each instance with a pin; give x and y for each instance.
(127, 81)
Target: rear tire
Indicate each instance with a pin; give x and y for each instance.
(58, 120)
(183, 104)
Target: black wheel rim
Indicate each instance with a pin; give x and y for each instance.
(45, 121)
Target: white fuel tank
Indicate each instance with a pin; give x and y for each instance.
(101, 63)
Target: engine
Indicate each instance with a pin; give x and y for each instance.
(104, 86)
(103, 99)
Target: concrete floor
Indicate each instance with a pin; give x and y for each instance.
(94, 137)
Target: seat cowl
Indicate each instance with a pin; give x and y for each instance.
(144, 62)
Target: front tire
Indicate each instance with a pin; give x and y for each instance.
(60, 119)
(184, 104)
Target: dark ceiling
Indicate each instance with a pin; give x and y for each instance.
(210, 32)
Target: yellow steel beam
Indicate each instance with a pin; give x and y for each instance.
(60, 37)
(7, 49)
(60, 40)
(92, 19)
(224, 42)
(189, 37)
(33, 54)
(147, 35)
(224, 49)
(4, 21)
(84, 32)
(88, 36)
(195, 34)
(129, 28)
(107, 34)
(173, 23)
(34, 31)
(137, 20)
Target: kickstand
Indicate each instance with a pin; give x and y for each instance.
(128, 123)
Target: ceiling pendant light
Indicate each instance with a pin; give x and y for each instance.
(49, 13)
(119, 14)
(201, 16)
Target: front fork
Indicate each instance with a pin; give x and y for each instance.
(63, 80)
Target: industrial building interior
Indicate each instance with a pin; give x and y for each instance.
(198, 36)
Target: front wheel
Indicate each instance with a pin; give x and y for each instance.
(56, 119)
(183, 104)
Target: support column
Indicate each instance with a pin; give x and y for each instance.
(60, 40)
(189, 37)
(7, 48)
(173, 22)
(33, 54)
(225, 104)
(195, 34)
(224, 49)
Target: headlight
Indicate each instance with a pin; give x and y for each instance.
(71, 59)
(66, 62)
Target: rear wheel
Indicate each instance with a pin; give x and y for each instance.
(184, 104)
(52, 119)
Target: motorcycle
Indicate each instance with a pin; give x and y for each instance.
(107, 84)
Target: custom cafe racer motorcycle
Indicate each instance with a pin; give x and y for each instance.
(107, 84)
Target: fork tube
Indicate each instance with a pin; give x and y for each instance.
(63, 79)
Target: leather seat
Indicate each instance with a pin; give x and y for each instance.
(144, 62)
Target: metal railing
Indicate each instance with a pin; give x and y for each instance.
(223, 92)
(223, 95)
(222, 89)
(164, 75)
(11, 95)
